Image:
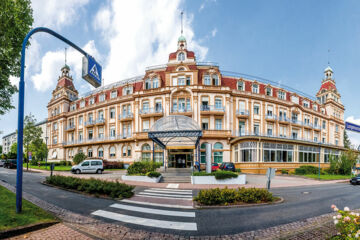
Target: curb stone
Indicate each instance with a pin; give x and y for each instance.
(320, 227)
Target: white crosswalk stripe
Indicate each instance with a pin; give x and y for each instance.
(162, 210)
(186, 226)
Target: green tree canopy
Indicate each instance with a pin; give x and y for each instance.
(347, 142)
(15, 22)
(32, 133)
(39, 149)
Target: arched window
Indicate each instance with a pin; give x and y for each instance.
(158, 155)
(203, 152)
(112, 151)
(90, 152)
(215, 80)
(181, 56)
(218, 154)
(124, 151)
(155, 82)
(101, 152)
(181, 69)
(146, 152)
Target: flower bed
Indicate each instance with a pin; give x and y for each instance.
(227, 196)
(143, 172)
(92, 186)
(218, 177)
(347, 223)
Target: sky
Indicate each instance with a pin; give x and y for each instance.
(290, 42)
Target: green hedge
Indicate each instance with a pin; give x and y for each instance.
(92, 186)
(153, 174)
(142, 168)
(218, 174)
(306, 169)
(227, 196)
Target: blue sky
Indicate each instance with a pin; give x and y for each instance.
(285, 41)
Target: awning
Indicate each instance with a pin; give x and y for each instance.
(54, 155)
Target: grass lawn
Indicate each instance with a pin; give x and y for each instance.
(327, 176)
(57, 168)
(31, 214)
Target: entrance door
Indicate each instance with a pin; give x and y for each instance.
(181, 158)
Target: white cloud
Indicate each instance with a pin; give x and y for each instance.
(354, 137)
(202, 6)
(52, 62)
(140, 34)
(56, 13)
(213, 32)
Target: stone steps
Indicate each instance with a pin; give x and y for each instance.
(176, 179)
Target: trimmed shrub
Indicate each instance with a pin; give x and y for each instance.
(79, 157)
(153, 174)
(92, 186)
(306, 169)
(203, 173)
(227, 196)
(225, 175)
(284, 171)
(238, 170)
(143, 167)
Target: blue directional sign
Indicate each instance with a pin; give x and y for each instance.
(92, 71)
(352, 127)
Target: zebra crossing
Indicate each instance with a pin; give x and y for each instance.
(165, 208)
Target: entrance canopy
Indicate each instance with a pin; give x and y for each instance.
(176, 131)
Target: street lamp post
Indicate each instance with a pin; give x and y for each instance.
(92, 74)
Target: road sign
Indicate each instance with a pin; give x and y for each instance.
(352, 127)
(30, 156)
(91, 71)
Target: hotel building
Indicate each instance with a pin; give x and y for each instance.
(248, 120)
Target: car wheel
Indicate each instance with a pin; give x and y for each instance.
(99, 171)
(77, 171)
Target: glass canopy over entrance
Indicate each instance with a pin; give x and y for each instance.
(180, 136)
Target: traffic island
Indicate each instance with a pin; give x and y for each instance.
(138, 178)
(218, 177)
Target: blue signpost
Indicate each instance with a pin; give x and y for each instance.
(352, 127)
(93, 76)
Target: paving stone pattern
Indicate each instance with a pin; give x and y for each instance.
(320, 227)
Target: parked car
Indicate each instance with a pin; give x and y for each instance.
(2, 163)
(355, 180)
(214, 167)
(227, 166)
(89, 166)
(10, 163)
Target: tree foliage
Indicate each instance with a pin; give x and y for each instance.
(32, 133)
(344, 163)
(39, 149)
(79, 157)
(12, 154)
(347, 142)
(15, 22)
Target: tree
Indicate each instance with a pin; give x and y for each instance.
(79, 157)
(39, 149)
(15, 22)
(13, 151)
(1, 149)
(32, 134)
(347, 142)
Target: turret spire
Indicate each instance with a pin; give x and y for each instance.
(182, 22)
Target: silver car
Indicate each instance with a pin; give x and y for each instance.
(2, 162)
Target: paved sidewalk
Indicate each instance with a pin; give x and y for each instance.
(57, 231)
(253, 180)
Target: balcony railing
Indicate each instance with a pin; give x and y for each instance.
(317, 126)
(270, 117)
(246, 133)
(69, 127)
(181, 110)
(150, 110)
(283, 119)
(90, 122)
(99, 139)
(100, 121)
(295, 121)
(126, 115)
(242, 112)
(307, 124)
(212, 108)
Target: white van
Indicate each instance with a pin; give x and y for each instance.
(89, 166)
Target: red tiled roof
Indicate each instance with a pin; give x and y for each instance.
(229, 82)
(64, 82)
(328, 85)
(138, 86)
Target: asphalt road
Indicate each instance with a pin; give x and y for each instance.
(300, 203)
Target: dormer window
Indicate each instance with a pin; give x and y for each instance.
(113, 94)
(268, 91)
(91, 100)
(147, 83)
(127, 90)
(155, 82)
(295, 99)
(82, 103)
(240, 85)
(281, 95)
(181, 81)
(181, 69)
(215, 80)
(255, 88)
(73, 107)
(306, 104)
(181, 56)
(188, 81)
(102, 97)
(206, 79)
(315, 107)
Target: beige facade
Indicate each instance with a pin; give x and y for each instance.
(239, 116)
